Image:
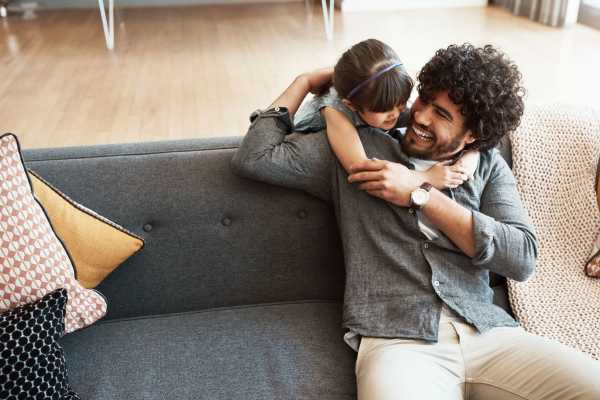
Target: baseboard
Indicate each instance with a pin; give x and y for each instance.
(54, 4)
(372, 5)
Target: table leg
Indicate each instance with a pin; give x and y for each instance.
(108, 26)
(328, 17)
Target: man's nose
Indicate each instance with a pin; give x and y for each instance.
(423, 116)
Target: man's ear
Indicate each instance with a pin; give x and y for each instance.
(349, 104)
(469, 137)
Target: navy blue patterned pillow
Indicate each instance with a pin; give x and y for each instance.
(32, 363)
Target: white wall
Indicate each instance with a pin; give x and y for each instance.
(366, 5)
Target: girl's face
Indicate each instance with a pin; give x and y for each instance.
(383, 120)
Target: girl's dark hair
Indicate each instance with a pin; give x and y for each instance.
(362, 61)
(484, 83)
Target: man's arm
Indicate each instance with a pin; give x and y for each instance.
(394, 183)
(505, 240)
(453, 219)
(498, 237)
(271, 153)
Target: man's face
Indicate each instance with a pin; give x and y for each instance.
(436, 130)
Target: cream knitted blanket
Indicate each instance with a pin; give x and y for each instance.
(555, 154)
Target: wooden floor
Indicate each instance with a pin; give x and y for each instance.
(199, 71)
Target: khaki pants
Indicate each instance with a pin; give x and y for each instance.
(502, 364)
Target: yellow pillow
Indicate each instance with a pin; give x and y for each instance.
(97, 246)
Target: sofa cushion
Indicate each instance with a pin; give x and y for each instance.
(272, 351)
(33, 260)
(96, 244)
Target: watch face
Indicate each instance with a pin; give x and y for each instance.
(420, 197)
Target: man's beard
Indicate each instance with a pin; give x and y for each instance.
(437, 152)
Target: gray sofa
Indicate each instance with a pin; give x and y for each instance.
(237, 293)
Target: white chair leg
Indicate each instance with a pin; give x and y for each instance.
(3, 12)
(328, 17)
(108, 26)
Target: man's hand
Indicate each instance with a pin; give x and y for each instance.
(389, 181)
(394, 183)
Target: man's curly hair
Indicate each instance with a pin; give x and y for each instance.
(484, 83)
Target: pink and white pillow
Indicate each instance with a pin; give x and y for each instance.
(33, 261)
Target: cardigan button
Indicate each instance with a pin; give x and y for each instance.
(226, 221)
(302, 214)
(147, 227)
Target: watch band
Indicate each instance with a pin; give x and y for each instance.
(426, 186)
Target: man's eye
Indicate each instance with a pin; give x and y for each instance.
(443, 115)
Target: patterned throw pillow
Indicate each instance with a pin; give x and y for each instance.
(32, 363)
(33, 261)
(96, 245)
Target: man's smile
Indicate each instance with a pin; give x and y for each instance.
(421, 134)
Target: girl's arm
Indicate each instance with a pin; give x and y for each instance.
(343, 138)
(442, 175)
(345, 142)
(293, 96)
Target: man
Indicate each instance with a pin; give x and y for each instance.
(417, 303)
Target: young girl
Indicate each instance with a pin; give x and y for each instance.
(371, 87)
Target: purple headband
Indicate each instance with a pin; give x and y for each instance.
(371, 78)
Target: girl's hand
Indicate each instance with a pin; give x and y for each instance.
(470, 161)
(442, 175)
(318, 78)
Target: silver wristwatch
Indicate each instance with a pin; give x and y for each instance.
(420, 196)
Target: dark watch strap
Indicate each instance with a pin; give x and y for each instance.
(426, 186)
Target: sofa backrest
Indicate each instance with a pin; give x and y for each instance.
(212, 239)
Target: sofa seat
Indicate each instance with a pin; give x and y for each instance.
(268, 351)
